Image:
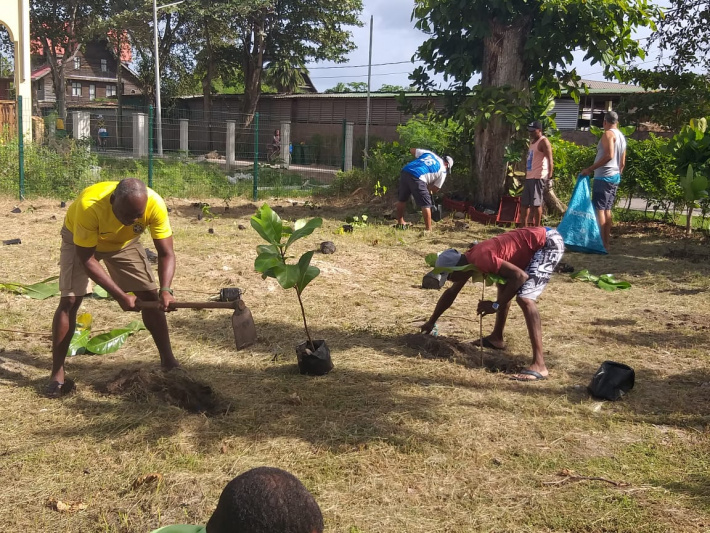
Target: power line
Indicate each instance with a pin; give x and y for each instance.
(356, 76)
(360, 66)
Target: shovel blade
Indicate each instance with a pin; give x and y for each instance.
(243, 326)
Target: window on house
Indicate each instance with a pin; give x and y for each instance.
(75, 88)
(110, 90)
(104, 66)
(77, 63)
(92, 92)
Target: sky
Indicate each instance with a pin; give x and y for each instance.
(394, 42)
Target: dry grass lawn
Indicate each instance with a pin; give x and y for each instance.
(394, 439)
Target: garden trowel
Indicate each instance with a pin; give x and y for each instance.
(242, 320)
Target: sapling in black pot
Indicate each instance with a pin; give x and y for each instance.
(313, 355)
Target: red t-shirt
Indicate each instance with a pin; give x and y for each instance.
(516, 247)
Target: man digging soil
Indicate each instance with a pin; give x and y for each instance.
(526, 259)
(105, 223)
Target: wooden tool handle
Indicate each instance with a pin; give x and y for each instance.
(191, 305)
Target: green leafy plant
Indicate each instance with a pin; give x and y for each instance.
(690, 149)
(271, 260)
(82, 342)
(380, 190)
(357, 221)
(606, 281)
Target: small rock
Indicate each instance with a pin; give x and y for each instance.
(459, 214)
(577, 387)
(327, 247)
(496, 461)
(16, 210)
(53, 217)
(295, 204)
(295, 399)
(242, 226)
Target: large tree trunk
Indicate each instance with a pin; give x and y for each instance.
(553, 204)
(207, 88)
(253, 66)
(502, 67)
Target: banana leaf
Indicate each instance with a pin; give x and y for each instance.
(37, 291)
(113, 340)
(100, 293)
(108, 342)
(606, 282)
(78, 343)
(477, 276)
(609, 283)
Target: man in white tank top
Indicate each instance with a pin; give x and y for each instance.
(608, 166)
(538, 169)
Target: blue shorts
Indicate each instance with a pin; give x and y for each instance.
(604, 194)
(411, 186)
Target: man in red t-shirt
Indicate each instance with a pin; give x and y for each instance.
(526, 259)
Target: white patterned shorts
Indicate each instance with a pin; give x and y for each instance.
(542, 265)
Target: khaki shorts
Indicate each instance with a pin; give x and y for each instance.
(128, 267)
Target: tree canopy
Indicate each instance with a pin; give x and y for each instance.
(514, 44)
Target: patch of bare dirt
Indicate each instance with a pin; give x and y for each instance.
(464, 352)
(173, 388)
(654, 227)
(693, 254)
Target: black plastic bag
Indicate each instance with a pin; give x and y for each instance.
(612, 381)
(314, 363)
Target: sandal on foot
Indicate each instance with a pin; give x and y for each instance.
(487, 344)
(536, 376)
(55, 389)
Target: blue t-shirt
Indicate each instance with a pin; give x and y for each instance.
(427, 167)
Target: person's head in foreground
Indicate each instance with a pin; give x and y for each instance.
(266, 500)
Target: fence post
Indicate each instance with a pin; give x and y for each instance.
(348, 141)
(256, 157)
(184, 125)
(342, 155)
(21, 147)
(150, 146)
(229, 151)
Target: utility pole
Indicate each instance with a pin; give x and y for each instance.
(158, 110)
(367, 116)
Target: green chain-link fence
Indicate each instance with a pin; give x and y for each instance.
(223, 155)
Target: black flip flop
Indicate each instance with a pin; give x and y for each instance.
(55, 389)
(536, 375)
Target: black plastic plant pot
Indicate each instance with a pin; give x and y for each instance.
(314, 363)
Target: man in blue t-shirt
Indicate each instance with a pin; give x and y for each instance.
(420, 178)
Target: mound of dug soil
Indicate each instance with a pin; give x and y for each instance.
(175, 387)
(463, 352)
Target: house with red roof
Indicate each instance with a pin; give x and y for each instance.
(91, 77)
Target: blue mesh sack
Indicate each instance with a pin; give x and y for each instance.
(579, 227)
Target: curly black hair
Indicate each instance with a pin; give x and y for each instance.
(266, 500)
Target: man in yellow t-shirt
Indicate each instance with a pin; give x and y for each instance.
(105, 224)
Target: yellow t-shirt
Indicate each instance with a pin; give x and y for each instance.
(91, 220)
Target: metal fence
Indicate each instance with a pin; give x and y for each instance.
(222, 155)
